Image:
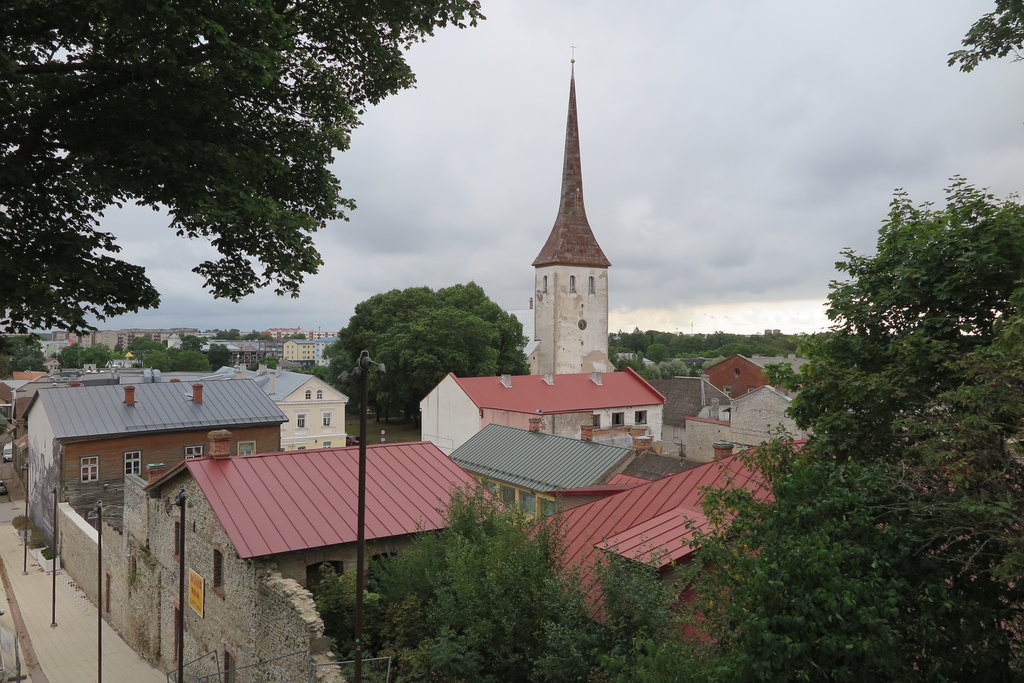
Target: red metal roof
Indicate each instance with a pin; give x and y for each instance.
(621, 478)
(279, 502)
(566, 394)
(654, 520)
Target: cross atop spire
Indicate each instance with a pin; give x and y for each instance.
(571, 241)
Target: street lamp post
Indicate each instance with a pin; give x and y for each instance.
(98, 510)
(180, 502)
(24, 558)
(362, 373)
(53, 574)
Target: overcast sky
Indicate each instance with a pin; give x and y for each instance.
(731, 149)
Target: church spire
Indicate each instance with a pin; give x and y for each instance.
(571, 241)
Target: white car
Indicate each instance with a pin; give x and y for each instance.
(8, 452)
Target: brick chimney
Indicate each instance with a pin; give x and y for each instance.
(586, 432)
(74, 384)
(129, 395)
(220, 444)
(197, 393)
(154, 471)
(722, 449)
(175, 379)
(535, 423)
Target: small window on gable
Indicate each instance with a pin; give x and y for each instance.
(572, 283)
(309, 394)
(319, 394)
(590, 284)
(727, 391)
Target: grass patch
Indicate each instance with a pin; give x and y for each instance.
(396, 431)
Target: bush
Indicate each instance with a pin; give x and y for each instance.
(21, 522)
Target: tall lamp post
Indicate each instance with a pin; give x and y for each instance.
(24, 557)
(53, 574)
(98, 510)
(180, 502)
(362, 373)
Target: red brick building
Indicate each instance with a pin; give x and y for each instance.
(738, 374)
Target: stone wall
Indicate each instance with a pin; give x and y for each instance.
(700, 434)
(757, 417)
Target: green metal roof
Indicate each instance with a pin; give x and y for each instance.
(537, 461)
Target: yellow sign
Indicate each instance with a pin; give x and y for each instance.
(196, 585)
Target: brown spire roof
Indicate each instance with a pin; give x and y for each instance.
(571, 241)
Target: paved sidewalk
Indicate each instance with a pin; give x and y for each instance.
(66, 653)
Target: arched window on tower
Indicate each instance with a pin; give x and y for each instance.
(572, 283)
(590, 284)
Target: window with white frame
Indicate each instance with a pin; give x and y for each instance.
(194, 451)
(90, 468)
(309, 394)
(246, 447)
(319, 394)
(133, 462)
(640, 417)
(327, 444)
(328, 418)
(300, 421)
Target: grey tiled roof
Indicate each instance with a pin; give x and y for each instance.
(686, 397)
(100, 410)
(538, 461)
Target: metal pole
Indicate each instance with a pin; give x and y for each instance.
(24, 559)
(53, 574)
(180, 502)
(364, 375)
(99, 591)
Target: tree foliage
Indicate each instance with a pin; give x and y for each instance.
(995, 35)
(224, 114)
(21, 353)
(894, 548)
(421, 335)
(841, 578)
(488, 599)
(933, 292)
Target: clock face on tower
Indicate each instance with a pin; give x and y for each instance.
(582, 324)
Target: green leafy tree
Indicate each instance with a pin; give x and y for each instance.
(159, 359)
(933, 292)
(840, 578)
(188, 361)
(21, 353)
(191, 342)
(995, 35)
(488, 598)
(218, 355)
(657, 352)
(421, 335)
(70, 356)
(98, 354)
(112, 103)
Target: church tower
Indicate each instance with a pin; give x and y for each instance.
(571, 277)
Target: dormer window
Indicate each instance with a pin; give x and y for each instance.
(572, 283)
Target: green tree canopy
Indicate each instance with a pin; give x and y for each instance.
(218, 355)
(421, 335)
(939, 282)
(225, 114)
(997, 34)
(21, 353)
